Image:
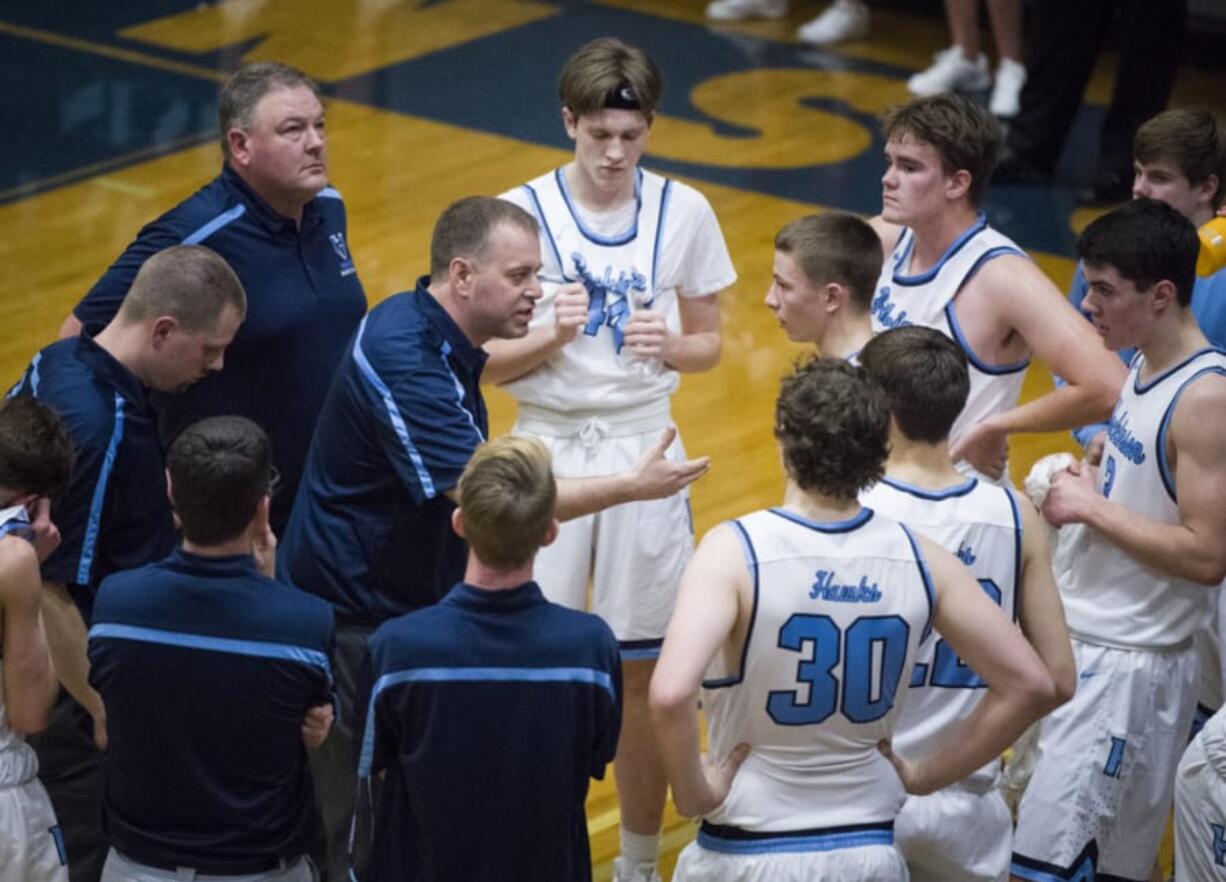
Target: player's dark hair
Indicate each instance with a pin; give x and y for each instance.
(1147, 242)
(835, 247)
(243, 91)
(35, 450)
(963, 133)
(1192, 139)
(464, 229)
(605, 67)
(925, 379)
(220, 468)
(832, 424)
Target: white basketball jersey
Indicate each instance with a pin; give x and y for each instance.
(927, 299)
(839, 609)
(18, 763)
(1109, 596)
(980, 524)
(667, 239)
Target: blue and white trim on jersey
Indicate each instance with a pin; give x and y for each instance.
(215, 224)
(1164, 467)
(94, 522)
(393, 413)
(929, 591)
(233, 646)
(751, 563)
(459, 392)
(734, 840)
(590, 676)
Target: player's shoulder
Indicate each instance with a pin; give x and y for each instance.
(681, 195)
(18, 564)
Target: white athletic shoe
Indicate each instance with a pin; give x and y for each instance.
(736, 10)
(950, 72)
(1007, 92)
(639, 873)
(844, 20)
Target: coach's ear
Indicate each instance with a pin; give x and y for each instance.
(551, 532)
(170, 494)
(457, 522)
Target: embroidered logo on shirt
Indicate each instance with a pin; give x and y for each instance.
(1119, 435)
(883, 310)
(824, 588)
(609, 298)
(342, 251)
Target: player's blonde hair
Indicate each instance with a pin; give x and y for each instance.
(507, 499)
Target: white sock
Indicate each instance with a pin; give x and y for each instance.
(638, 849)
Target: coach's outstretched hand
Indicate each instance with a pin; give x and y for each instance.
(655, 476)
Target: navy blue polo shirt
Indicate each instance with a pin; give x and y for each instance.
(206, 669)
(371, 528)
(114, 514)
(304, 301)
(490, 713)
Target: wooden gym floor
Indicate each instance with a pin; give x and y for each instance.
(111, 120)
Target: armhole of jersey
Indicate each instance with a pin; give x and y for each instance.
(1017, 551)
(751, 564)
(1164, 468)
(956, 330)
(926, 576)
(655, 252)
(539, 212)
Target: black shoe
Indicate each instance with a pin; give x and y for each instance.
(1012, 169)
(1107, 188)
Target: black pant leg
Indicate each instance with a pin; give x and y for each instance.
(70, 767)
(1152, 37)
(334, 766)
(1061, 43)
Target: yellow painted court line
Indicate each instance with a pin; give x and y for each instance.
(130, 55)
(603, 821)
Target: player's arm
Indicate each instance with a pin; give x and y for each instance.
(1033, 307)
(30, 685)
(1192, 548)
(1040, 613)
(69, 642)
(703, 619)
(511, 359)
(1019, 689)
(696, 348)
(654, 476)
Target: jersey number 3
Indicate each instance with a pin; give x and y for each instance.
(873, 650)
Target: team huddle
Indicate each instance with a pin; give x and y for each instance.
(311, 622)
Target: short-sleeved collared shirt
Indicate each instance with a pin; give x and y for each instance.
(207, 669)
(304, 301)
(529, 697)
(114, 514)
(371, 527)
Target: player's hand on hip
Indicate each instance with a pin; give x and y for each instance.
(984, 447)
(1072, 493)
(46, 533)
(908, 771)
(656, 476)
(569, 311)
(646, 333)
(316, 725)
(719, 775)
